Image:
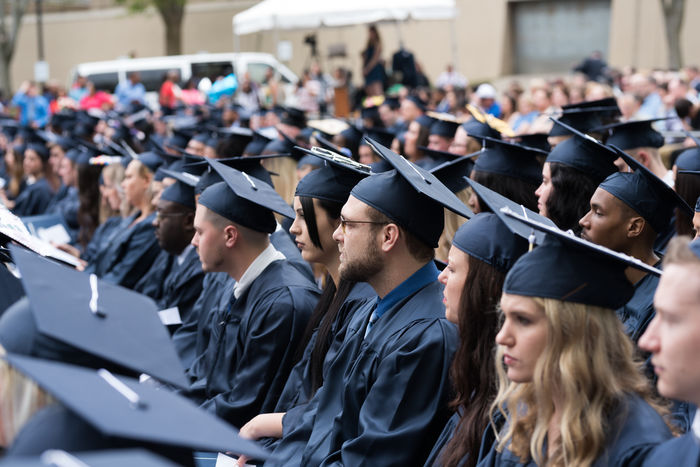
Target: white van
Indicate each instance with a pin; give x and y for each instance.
(107, 74)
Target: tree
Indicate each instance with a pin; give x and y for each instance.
(171, 12)
(9, 29)
(673, 19)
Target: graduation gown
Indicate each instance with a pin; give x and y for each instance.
(635, 429)
(151, 283)
(678, 452)
(252, 345)
(191, 339)
(130, 251)
(11, 287)
(443, 439)
(183, 284)
(383, 401)
(66, 203)
(638, 312)
(283, 243)
(34, 199)
(100, 238)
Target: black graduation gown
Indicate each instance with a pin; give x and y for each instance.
(66, 203)
(56, 427)
(679, 452)
(183, 284)
(638, 312)
(10, 287)
(384, 398)
(637, 428)
(191, 339)
(34, 199)
(130, 251)
(100, 238)
(151, 283)
(251, 347)
(443, 439)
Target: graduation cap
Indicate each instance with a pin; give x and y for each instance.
(689, 159)
(334, 180)
(244, 199)
(352, 136)
(451, 172)
(182, 191)
(380, 135)
(178, 139)
(41, 150)
(645, 193)
(308, 159)
(608, 106)
(328, 126)
(109, 458)
(425, 121)
(151, 159)
(633, 134)
(496, 201)
(257, 144)
(248, 164)
(487, 238)
(293, 117)
(535, 140)
(513, 160)
(283, 145)
(584, 119)
(392, 102)
(420, 103)
(584, 153)
(568, 268)
(326, 144)
(444, 124)
(410, 196)
(121, 408)
(81, 318)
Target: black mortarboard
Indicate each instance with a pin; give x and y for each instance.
(410, 196)
(487, 238)
(282, 145)
(151, 159)
(184, 177)
(308, 159)
(83, 319)
(535, 140)
(514, 160)
(585, 154)
(452, 172)
(496, 201)
(420, 103)
(293, 117)
(444, 124)
(476, 129)
(688, 159)
(352, 137)
(179, 192)
(334, 180)
(371, 113)
(248, 164)
(327, 144)
(41, 150)
(568, 268)
(392, 102)
(208, 178)
(633, 134)
(645, 193)
(243, 199)
(380, 135)
(583, 119)
(121, 408)
(425, 121)
(109, 458)
(257, 144)
(178, 139)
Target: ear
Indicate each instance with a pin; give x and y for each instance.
(644, 158)
(635, 226)
(390, 236)
(230, 236)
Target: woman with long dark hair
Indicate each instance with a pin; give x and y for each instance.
(483, 250)
(35, 198)
(319, 197)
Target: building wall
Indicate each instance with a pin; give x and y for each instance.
(482, 31)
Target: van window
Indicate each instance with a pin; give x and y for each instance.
(152, 79)
(257, 71)
(104, 81)
(211, 70)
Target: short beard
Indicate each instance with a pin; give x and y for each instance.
(362, 269)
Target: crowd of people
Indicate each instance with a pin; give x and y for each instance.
(454, 276)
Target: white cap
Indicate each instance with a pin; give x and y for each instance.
(486, 91)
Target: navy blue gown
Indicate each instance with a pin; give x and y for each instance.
(34, 199)
(251, 346)
(443, 439)
(384, 398)
(66, 203)
(635, 430)
(151, 283)
(638, 312)
(678, 452)
(183, 284)
(130, 251)
(100, 238)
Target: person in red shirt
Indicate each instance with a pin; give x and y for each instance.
(95, 99)
(169, 93)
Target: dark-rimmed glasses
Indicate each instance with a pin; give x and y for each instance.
(344, 222)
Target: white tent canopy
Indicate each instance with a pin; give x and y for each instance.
(308, 14)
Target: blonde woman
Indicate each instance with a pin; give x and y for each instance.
(569, 387)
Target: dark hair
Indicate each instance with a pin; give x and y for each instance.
(688, 187)
(420, 250)
(570, 198)
(472, 374)
(89, 197)
(516, 189)
(329, 304)
(422, 140)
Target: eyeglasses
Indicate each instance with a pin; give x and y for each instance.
(344, 222)
(160, 215)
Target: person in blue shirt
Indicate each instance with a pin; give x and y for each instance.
(130, 92)
(33, 107)
(672, 339)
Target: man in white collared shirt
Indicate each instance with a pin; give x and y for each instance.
(673, 338)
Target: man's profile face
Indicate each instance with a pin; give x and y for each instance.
(606, 221)
(672, 336)
(360, 256)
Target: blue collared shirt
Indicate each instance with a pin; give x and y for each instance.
(419, 279)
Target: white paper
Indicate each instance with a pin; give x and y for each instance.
(55, 234)
(222, 460)
(170, 316)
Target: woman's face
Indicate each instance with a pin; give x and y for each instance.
(453, 277)
(326, 226)
(473, 201)
(522, 337)
(459, 143)
(67, 172)
(111, 195)
(544, 191)
(410, 148)
(134, 184)
(32, 164)
(366, 154)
